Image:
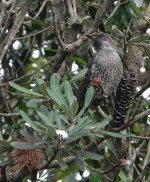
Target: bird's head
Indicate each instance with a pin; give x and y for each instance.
(101, 40)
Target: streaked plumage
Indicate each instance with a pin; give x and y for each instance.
(106, 68)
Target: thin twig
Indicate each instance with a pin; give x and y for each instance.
(62, 54)
(132, 121)
(101, 112)
(61, 43)
(119, 3)
(142, 174)
(145, 87)
(40, 9)
(28, 74)
(33, 34)
(141, 137)
(9, 114)
(53, 157)
(147, 156)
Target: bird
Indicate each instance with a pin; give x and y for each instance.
(105, 68)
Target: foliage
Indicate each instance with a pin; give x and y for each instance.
(38, 90)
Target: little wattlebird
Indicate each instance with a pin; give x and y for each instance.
(105, 69)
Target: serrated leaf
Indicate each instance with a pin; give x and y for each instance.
(74, 108)
(117, 135)
(69, 93)
(88, 96)
(45, 118)
(79, 76)
(27, 119)
(26, 145)
(24, 90)
(91, 155)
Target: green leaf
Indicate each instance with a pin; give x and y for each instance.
(40, 81)
(45, 118)
(88, 96)
(91, 155)
(78, 59)
(6, 163)
(88, 99)
(42, 86)
(58, 119)
(27, 119)
(79, 162)
(74, 136)
(45, 111)
(111, 147)
(51, 132)
(122, 176)
(24, 90)
(69, 93)
(67, 111)
(102, 124)
(55, 78)
(82, 123)
(74, 108)
(61, 163)
(96, 177)
(64, 119)
(33, 102)
(26, 145)
(79, 76)
(57, 93)
(117, 135)
(57, 96)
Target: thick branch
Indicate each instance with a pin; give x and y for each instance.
(62, 54)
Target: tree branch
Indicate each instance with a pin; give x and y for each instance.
(62, 54)
(145, 87)
(53, 11)
(9, 114)
(132, 121)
